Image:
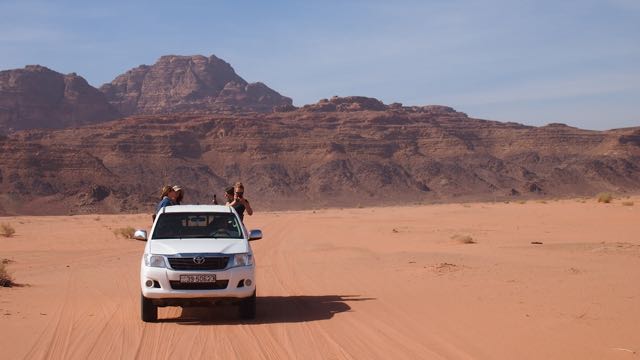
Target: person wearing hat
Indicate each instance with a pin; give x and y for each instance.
(179, 194)
(169, 196)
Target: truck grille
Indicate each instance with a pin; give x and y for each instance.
(188, 263)
(218, 285)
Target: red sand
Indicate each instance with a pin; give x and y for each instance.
(347, 284)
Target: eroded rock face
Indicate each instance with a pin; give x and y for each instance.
(188, 84)
(346, 104)
(303, 159)
(363, 103)
(37, 97)
(200, 125)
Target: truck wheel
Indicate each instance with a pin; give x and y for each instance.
(247, 308)
(149, 311)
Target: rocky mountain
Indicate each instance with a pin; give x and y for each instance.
(339, 152)
(37, 97)
(189, 84)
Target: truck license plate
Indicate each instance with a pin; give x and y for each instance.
(197, 278)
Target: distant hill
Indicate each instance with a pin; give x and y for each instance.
(339, 152)
(37, 97)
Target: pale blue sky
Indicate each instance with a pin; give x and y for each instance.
(533, 62)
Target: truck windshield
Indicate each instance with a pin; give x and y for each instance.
(197, 225)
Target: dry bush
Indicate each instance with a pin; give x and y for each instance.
(125, 232)
(627, 203)
(522, 202)
(542, 201)
(605, 198)
(5, 278)
(463, 239)
(7, 230)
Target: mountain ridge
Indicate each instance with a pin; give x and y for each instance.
(38, 97)
(306, 158)
(191, 120)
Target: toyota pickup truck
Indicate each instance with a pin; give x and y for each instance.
(197, 255)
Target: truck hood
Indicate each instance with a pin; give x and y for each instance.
(198, 246)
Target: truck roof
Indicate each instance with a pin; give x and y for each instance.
(196, 208)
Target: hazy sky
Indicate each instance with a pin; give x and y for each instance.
(533, 62)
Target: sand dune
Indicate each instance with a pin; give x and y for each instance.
(371, 283)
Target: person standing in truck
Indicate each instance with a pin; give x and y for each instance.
(236, 199)
(169, 197)
(179, 194)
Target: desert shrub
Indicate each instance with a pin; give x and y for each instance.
(463, 239)
(605, 198)
(125, 232)
(522, 202)
(542, 201)
(627, 203)
(7, 230)
(5, 278)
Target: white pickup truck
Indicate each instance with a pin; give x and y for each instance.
(197, 255)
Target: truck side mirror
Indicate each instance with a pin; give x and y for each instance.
(255, 235)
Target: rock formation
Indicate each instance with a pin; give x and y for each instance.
(189, 84)
(357, 152)
(37, 97)
(193, 121)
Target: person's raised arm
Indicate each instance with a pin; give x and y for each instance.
(248, 207)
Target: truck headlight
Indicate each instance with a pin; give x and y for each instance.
(245, 259)
(154, 261)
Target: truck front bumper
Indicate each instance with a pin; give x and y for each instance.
(232, 283)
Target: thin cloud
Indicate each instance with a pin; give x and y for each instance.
(22, 36)
(550, 89)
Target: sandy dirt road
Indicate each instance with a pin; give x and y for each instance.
(372, 283)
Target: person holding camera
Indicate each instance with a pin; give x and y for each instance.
(235, 198)
(179, 194)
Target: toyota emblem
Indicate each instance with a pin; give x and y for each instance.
(199, 260)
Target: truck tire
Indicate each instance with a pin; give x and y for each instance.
(148, 310)
(247, 309)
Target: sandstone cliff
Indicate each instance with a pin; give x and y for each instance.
(188, 84)
(36, 97)
(339, 152)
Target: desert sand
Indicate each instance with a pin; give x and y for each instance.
(367, 283)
